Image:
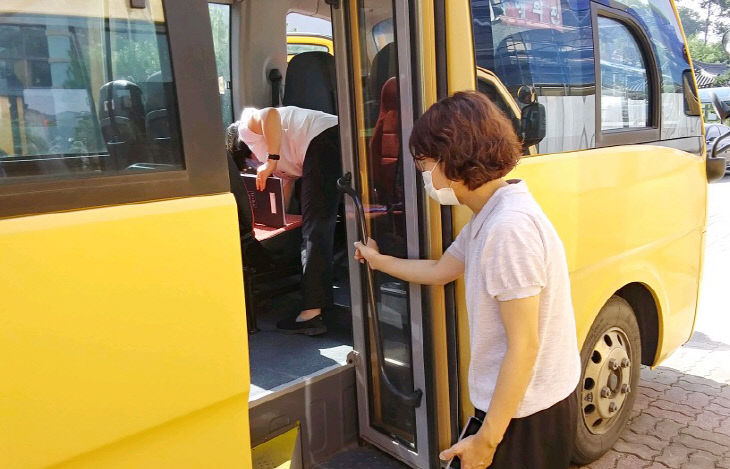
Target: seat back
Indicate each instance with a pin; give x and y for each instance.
(383, 68)
(385, 144)
(122, 121)
(311, 82)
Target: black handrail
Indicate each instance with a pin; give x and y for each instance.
(410, 398)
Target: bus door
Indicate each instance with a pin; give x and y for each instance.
(376, 117)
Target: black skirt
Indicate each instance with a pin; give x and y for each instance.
(543, 440)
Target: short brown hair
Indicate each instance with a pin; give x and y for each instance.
(472, 138)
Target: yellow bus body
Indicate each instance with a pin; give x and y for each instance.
(123, 337)
(96, 376)
(310, 40)
(599, 201)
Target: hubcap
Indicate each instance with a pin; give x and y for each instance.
(606, 381)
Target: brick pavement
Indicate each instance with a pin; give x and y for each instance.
(681, 418)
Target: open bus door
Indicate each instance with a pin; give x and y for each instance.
(375, 92)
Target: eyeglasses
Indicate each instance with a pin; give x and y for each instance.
(421, 164)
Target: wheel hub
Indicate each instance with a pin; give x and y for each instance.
(606, 380)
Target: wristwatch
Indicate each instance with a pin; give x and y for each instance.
(274, 157)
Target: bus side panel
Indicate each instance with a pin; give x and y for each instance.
(123, 336)
(627, 214)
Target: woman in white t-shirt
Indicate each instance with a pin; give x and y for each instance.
(293, 143)
(525, 363)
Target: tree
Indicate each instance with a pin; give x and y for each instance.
(723, 80)
(715, 9)
(712, 52)
(691, 21)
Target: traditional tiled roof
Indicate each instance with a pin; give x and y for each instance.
(707, 73)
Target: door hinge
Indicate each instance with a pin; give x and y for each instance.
(138, 4)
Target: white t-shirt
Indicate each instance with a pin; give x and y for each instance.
(511, 250)
(299, 126)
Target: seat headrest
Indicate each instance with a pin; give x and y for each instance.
(311, 82)
(382, 68)
(389, 95)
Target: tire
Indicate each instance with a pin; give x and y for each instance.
(606, 392)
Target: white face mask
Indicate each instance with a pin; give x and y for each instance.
(444, 196)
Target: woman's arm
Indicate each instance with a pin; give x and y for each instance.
(520, 319)
(271, 129)
(268, 123)
(422, 271)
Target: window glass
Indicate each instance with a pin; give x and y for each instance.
(380, 153)
(548, 46)
(220, 22)
(383, 33)
(294, 49)
(660, 22)
(624, 81)
(86, 94)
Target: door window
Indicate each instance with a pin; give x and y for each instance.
(624, 79)
(380, 155)
(86, 95)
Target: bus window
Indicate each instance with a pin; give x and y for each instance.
(87, 95)
(383, 33)
(294, 49)
(624, 81)
(657, 17)
(220, 22)
(548, 46)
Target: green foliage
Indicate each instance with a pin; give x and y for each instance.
(135, 60)
(220, 23)
(723, 80)
(712, 52)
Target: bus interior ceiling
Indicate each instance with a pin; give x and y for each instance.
(279, 359)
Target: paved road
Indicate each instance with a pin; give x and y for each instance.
(682, 414)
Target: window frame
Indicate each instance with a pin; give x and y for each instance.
(652, 133)
(199, 112)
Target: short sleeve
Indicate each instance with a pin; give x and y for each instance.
(514, 259)
(458, 247)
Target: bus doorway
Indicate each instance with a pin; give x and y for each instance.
(335, 389)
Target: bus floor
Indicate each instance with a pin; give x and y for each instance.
(278, 359)
(365, 457)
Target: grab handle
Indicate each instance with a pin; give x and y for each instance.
(409, 398)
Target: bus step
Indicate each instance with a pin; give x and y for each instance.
(365, 457)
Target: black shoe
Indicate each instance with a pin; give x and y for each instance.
(314, 326)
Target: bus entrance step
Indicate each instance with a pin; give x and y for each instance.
(361, 458)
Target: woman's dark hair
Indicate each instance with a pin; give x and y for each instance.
(238, 150)
(474, 141)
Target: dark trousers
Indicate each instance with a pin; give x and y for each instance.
(320, 201)
(543, 440)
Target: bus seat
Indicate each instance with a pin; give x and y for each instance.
(267, 254)
(158, 94)
(385, 145)
(382, 68)
(311, 82)
(121, 118)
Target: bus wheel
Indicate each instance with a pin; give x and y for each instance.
(611, 359)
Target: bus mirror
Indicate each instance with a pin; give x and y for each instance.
(721, 108)
(532, 128)
(715, 168)
(726, 42)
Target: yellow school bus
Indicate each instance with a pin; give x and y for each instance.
(296, 43)
(137, 325)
